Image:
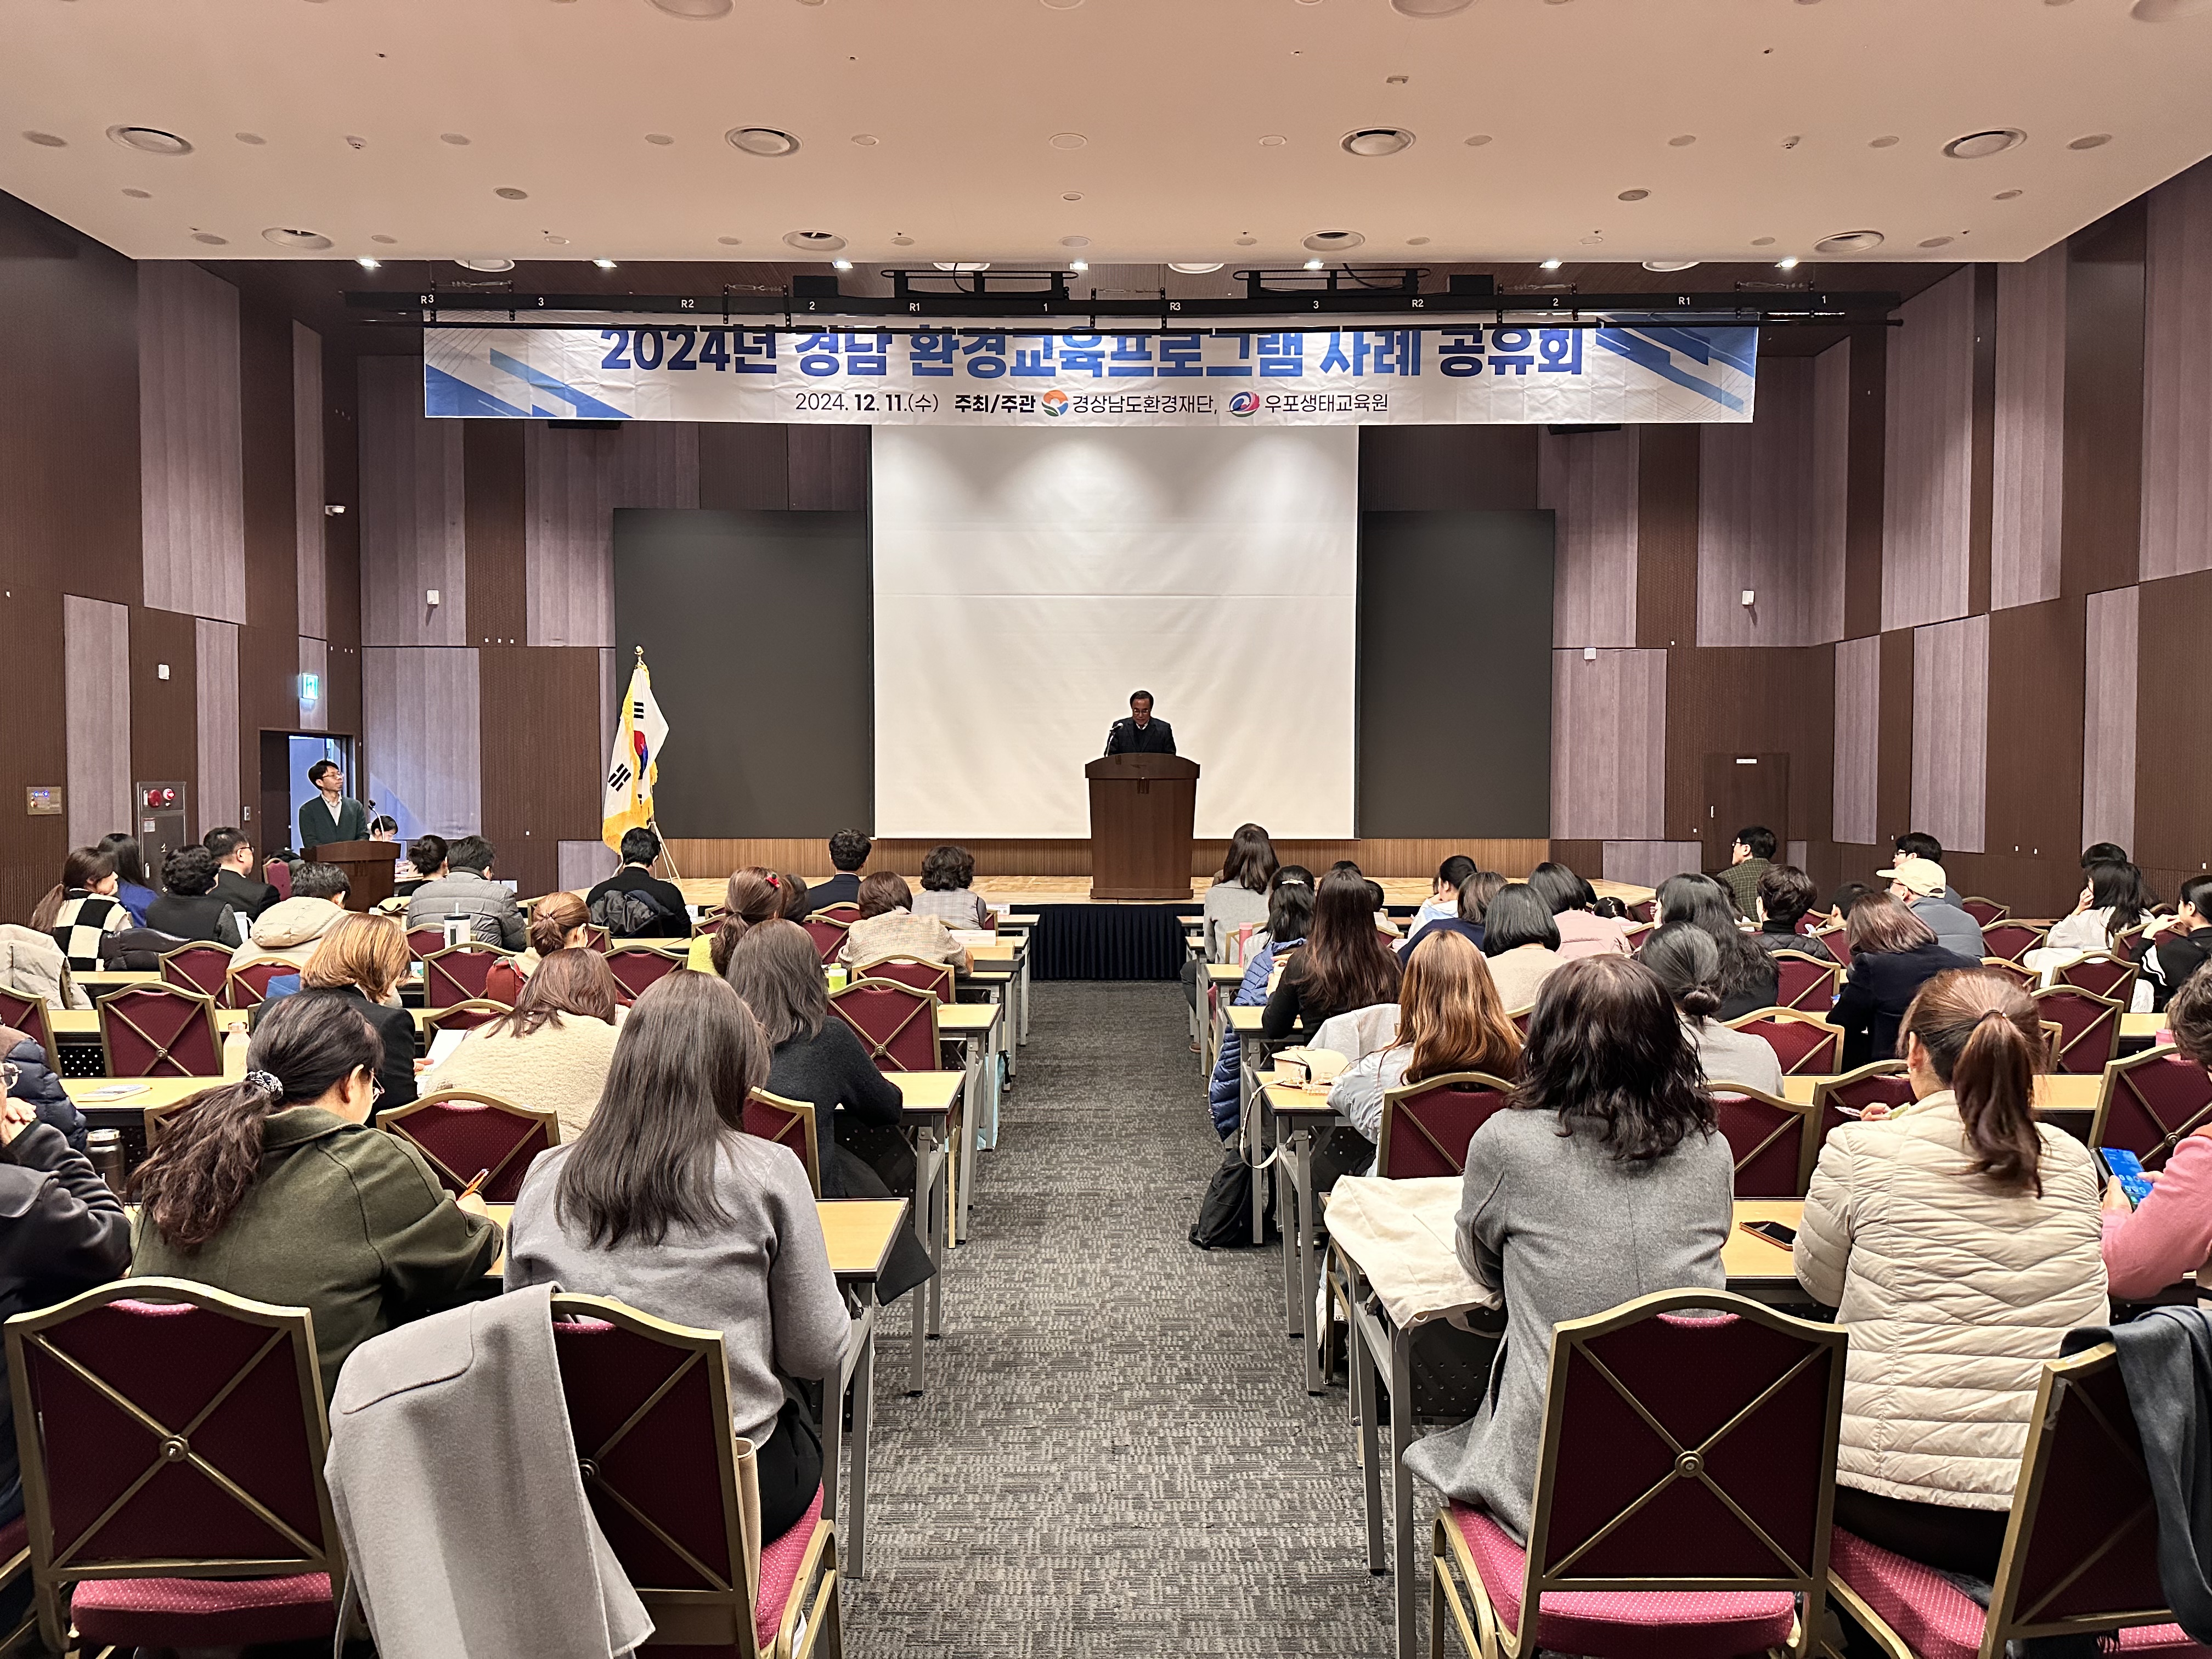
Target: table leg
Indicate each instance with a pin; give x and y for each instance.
(970, 1131)
(1405, 1588)
(1366, 1384)
(864, 1407)
(1309, 1288)
(1289, 1195)
(1023, 1035)
(1258, 1110)
(939, 1221)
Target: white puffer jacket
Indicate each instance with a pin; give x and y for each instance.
(1954, 1294)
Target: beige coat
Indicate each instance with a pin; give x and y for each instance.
(32, 965)
(560, 1067)
(288, 930)
(1954, 1294)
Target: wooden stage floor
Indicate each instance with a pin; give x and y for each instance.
(1019, 890)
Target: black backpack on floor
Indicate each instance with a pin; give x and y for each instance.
(1225, 1217)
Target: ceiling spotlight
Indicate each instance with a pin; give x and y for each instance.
(1975, 145)
(1550, 264)
(1193, 267)
(961, 264)
(1417, 241)
(249, 137)
(485, 265)
(694, 11)
(1066, 241)
(509, 193)
(1849, 241)
(815, 241)
(731, 241)
(1067, 141)
(1247, 241)
(1682, 141)
(1788, 261)
(2091, 141)
(662, 139)
(761, 140)
(1429, 8)
(1377, 141)
(1669, 264)
(1077, 264)
(1633, 195)
(604, 264)
(901, 241)
(1334, 241)
(454, 138)
(1478, 140)
(557, 241)
(867, 140)
(50, 141)
(1063, 5)
(2168, 11)
(1313, 265)
(281, 236)
(354, 141)
(1272, 141)
(210, 239)
(367, 264)
(841, 264)
(152, 140)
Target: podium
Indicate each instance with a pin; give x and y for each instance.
(368, 865)
(1141, 810)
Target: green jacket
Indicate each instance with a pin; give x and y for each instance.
(343, 1220)
(1742, 881)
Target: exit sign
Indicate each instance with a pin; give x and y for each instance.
(311, 688)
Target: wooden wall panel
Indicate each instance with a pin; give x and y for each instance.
(215, 681)
(829, 469)
(2028, 493)
(342, 535)
(1667, 474)
(164, 729)
(268, 701)
(96, 681)
(1588, 480)
(312, 575)
(1867, 488)
(1927, 515)
(1981, 508)
(539, 789)
(1759, 525)
(1608, 745)
(743, 467)
(411, 508)
(2035, 719)
(1447, 468)
(192, 496)
(1832, 487)
(494, 522)
(268, 471)
(581, 864)
(1950, 731)
(1857, 733)
(2176, 460)
(1648, 863)
(2110, 684)
(1893, 740)
(574, 481)
(2101, 523)
(422, 732)
(1741, 701)
(2173, 711)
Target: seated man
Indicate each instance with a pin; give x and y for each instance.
(1751, 857)
(848, 851)
(467, 890)
(237, 882)
(189, 907)
(1913, 844)
(1919, 886)
(634, 903)
(290, 929)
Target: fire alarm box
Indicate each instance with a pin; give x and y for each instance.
(161, 820)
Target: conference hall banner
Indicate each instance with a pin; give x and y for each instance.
(653, 371)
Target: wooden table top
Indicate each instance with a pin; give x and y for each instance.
(2146, 1026)
(2060, 1091)
(928, 1092)
(94, 983)
(966, 1018)
(859, 1231)
(85, 1022)
(145, 1092)
(1747, 1255)
(1226, 973)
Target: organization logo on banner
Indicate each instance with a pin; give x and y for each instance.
(1054, 402)
(1243, 404)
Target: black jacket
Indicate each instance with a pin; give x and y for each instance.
(1877, 991)
(1783, 936)
(674, 921)
(395, 1026)
(1288, 1003)
(249, 898)
(2180, 955)
(843, 888)
(36, 1083)
(1156, 737)
(317, 827)
(204, 915)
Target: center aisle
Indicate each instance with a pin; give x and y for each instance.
(1115, 1454)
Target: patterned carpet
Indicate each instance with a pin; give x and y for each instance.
(1117, 1454)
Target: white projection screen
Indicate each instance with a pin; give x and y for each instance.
(1027, 581)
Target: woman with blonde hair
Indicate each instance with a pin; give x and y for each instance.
(552, 1052)
(1450, 1019)
(362, 958)
(559, 921)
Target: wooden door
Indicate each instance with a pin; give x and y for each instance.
(1741, 790)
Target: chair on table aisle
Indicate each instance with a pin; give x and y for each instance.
(1804, 983)
(461, 1016)
(2080, 1549)
(788, 1123)
(198, 966)
(1985, 912)
(934, 977)
(637, 966)
(1683, 1495)
(1804, 1044)
(2150, 1100)
(1768, 1137)
(29, 1016)
(897, 1023)
(2088, 1028)
(1427, 1125)
(2106, 977)
(461, 1131)
(457, 972)
(828, 934)
(249, 986)
(2026, 978)
(649, 1409)
(2011, 940)
(158, 1030)
(172, 1444)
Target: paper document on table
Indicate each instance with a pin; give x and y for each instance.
(443, 1044)
(1400, 1234)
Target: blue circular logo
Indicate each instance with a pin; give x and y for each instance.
(1244, 403)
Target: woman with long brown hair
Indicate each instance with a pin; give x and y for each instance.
(551, 1053)
(1893, 954)
(1239, 894)
(1344, 963)
(81, 907)
(753, 896)
(1450, 1019)
(1959, 1240)
(274, 1187)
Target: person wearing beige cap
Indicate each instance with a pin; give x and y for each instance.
(1919, 884)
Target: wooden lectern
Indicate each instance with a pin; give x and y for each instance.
(1141, 810)
(368, 866)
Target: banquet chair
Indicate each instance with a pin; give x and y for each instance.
(2148, 1101)
(1803, 1042)
(828, 934)
(1805, 983)
(845, 911)
(897, 1023)
(1426, 1126)
(788, 1123)
(173, 1438)
(637, 966)
(1840, 1100)
(1985, 912)
(249, 986)
(27, 1014)
(159, 1030)
(1521, 1017)
(2026, 978)
(1767, 1138)
(456, 973)
(1645, 910)
(934, 977)
(1838, 937)
(2088, 1026)
(1683, 1492)
(198, 966)
(2111, 977)
(2011, 940)
(675, 1494)
(421, 941)
(462, 1131)
(461, 1016)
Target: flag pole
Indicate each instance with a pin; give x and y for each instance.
(653, 820)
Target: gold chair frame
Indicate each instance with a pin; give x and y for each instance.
(926, 1006)
(1832, 971)
(1797, 1016)
(465, 949)
(678, 955)
(1799, 1118)
(940, 972)
(159, 987)
(185, 982)
(39, 1009)
(2109, 1019)
(800, 1133)
(1393, 1112)
(392, 1123)
(433, 1020)
(2116, 1074)
(2039, 931)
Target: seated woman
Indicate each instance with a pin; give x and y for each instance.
(1289, 917)
(1605, 1181)
(559, 921)
(1443, 893)
(2110, 902)
(666, 1204)
(363, 959)
(1344, 965)
(889, 927)
(275, 1188)
(1521, 942)
(1958, 1241)
(1748, 978)
(1475, 893)
(1582, 932)
(189, 907)
(1893, 954)
(945, 873)
(753, 896)
(1687, 965)
(133, 885)
(426, 861)
(2167, 1238)
(1239, 894)
(552, 1052)
(1785, 898)
(796, 904)
(82, 907)
(1450, 1019)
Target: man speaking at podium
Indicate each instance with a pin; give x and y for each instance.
(1140, 734)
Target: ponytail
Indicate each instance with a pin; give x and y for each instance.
(553, 918)
(1983, 1040)
(754, 896)
(49, 909)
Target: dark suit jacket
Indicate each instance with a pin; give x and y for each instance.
(249, 898)
(1157, 737)
(1877, 991)
(844, 888)
(316, 828)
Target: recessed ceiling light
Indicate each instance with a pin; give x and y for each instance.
(1849, 241)
(249, 137)
(2005, 196)
(661, 138)
(1375, 141)
(1077, 264)
(152, 140)
(1429, 8)
(387, 241)
(1550, 264)
(1478, 140)
(1067, 141)
(557, 241)
(1670, 265)
(354, 141)
(210, 239)
(1937, 241)
(50, 141)
(485, 265)
(1762, 241)
(138, 195)
(867, 140)
(1334, 241)
(731, 241)
(1973, 146)
(453, 137)
(1633, 195)
(962, 264)
(1682, 141)
(1887, 141)
(1397, 80)
(1272, 141)
(2168, 11)
(694, 11)
(1063, 5)
(509, 193)
(2091, 141)
(284, 236)
(1787, 262)
(604, 264)
(1075, 241)
(815, 241)
(841, 264)
(1793, 141)
(1247, 241)
(1071, 196)
(1313, 265)
(1192, 267)
(1417, 241)
(901, 241)
(367, 264)
(761, 140)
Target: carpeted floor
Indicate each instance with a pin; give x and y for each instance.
(1117, 1454)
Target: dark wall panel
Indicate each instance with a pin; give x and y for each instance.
(1668, 462)
(1455, 728)
(2101, 532)
(758, 628)
(538, 723)
(2173, 711)
(1416, 469)
(1747, 700)
(2033, 776)
(493, 515)
(1864, 462)
(266, 432)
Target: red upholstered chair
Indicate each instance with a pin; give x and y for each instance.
(2080, 1549)
(636, 966)
(1521, 1017)
(2088, 1028)
(462, 1131)
(1684, 1493)
(29, 1016)
(597, 938)
(828, 934)
(2108, 977)
(461, 1016)
(1805, 982)
(1985, 911)
(1427, 1125)
(2026, 978)
(1840, 1100)
(789, 1123)
(1635, 933)
(158, 1030)
(897, 1023)
(934, 977)
(1767, 1137)
(249, 986)
(172, 1470)
(196, 966)
(649, 1410)
(2149, 1102)
(1838, 937)
(1645, 910)
(709, 920)
(277, 873)
(2129, 944)
(456, 973)
(847, 912)
(421, 941)
(2011, 940)
(1803, 1044)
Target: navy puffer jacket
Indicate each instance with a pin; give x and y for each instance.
(36, 1084)
(1221, 1090)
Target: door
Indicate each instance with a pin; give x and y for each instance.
(1741, 790)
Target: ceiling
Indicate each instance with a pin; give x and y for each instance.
(1007, 130)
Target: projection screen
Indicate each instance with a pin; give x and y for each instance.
(1027, 581)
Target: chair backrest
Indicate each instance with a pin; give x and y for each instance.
(454, 973)
(1521, 1017)
(709, 920)
(2129, 942)
(2104, 976)
(249, 986)
(2089, 1027)
(1840, 1100)
(897, 1023)
(1985, 911)
(1634, 935)
(29, 1016)
(1801, 1042)
(2150, 1100)
(637, 966)
(828, 934)
(2026, 978)
(170, 1430)
(462, 1131)
(788, 1123)
(198, 966)
(847, 912)
(1766, 1137)
(421, 941)
(597, 938)
(1837, 936)
(934, 977)
(1645, 910)
(1681, 1453)
(1427, 1125)
(649, 1409)
(2011, 940)
(159, 1030)
(461, 1016)
(1804, 982)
